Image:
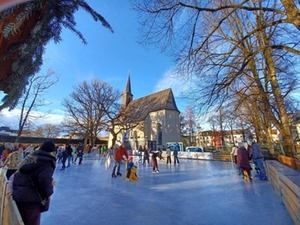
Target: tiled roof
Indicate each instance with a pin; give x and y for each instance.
(141, 107)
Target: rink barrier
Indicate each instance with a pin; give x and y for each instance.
(290, 162)
(221, 157)
(9, 212)
(286, 182)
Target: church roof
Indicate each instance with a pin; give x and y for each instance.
(141, 107)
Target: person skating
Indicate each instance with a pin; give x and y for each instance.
(79, 153)
(168, 151)
(65, 155)
(258, 158)
(131, 168)
(175, 154)
(154, 161)
(69, 150)
(243, 161)
(118, 156)
(146, 155)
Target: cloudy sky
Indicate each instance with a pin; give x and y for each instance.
(107, 56)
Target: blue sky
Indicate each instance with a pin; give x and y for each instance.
(107, 56)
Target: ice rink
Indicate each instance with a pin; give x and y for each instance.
(191, 193)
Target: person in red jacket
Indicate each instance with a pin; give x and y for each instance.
(120, 152)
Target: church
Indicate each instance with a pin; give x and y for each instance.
(154, 119)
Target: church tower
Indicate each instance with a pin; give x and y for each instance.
(127, 95)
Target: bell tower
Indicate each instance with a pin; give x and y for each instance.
(127, 95)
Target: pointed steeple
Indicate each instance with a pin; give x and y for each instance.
(127, 95)
(128, 86)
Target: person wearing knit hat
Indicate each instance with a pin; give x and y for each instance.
(33, 182)
(48, 146)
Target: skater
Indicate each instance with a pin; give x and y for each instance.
(65, 155)
(59, 154)
(154, 161)
(69, 150)
(234, 153)
(258, 158)
(79, 153)
(243, 161)
(146, 155)
(131, 168)
(141, 150)
(168, 155)
(103, 149)
(118, 156)
(175, 154)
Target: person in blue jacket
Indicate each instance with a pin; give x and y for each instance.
(175, 153)
(258, 158)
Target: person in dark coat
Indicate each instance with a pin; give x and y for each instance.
(65, 155)
(146, 155)
(154, 161)
(69, 150)
(79, 153)
(243, 161)
(33, 182)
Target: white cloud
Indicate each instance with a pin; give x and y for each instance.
(171, 79)
(11, 118)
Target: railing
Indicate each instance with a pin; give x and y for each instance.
(8, 209)
(290, 162)
(221, 157)
(286, 182)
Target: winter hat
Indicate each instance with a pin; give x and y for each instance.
(48, 146)
(130, 158)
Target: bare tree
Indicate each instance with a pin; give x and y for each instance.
(221, 42)
(121, 120)
(32, 98)
(86, 108)
(48, 131)
(190, 121)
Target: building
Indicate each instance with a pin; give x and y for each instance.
(154, 119)
(211, 138)
(6, 131)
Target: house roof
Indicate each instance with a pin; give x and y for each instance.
(141, 107)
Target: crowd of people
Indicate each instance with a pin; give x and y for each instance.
(144, 152)
(13, 154)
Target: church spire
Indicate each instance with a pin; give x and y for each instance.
(128, 86)
(127, 95)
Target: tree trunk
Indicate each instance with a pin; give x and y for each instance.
(284, 126)
(270, 140)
